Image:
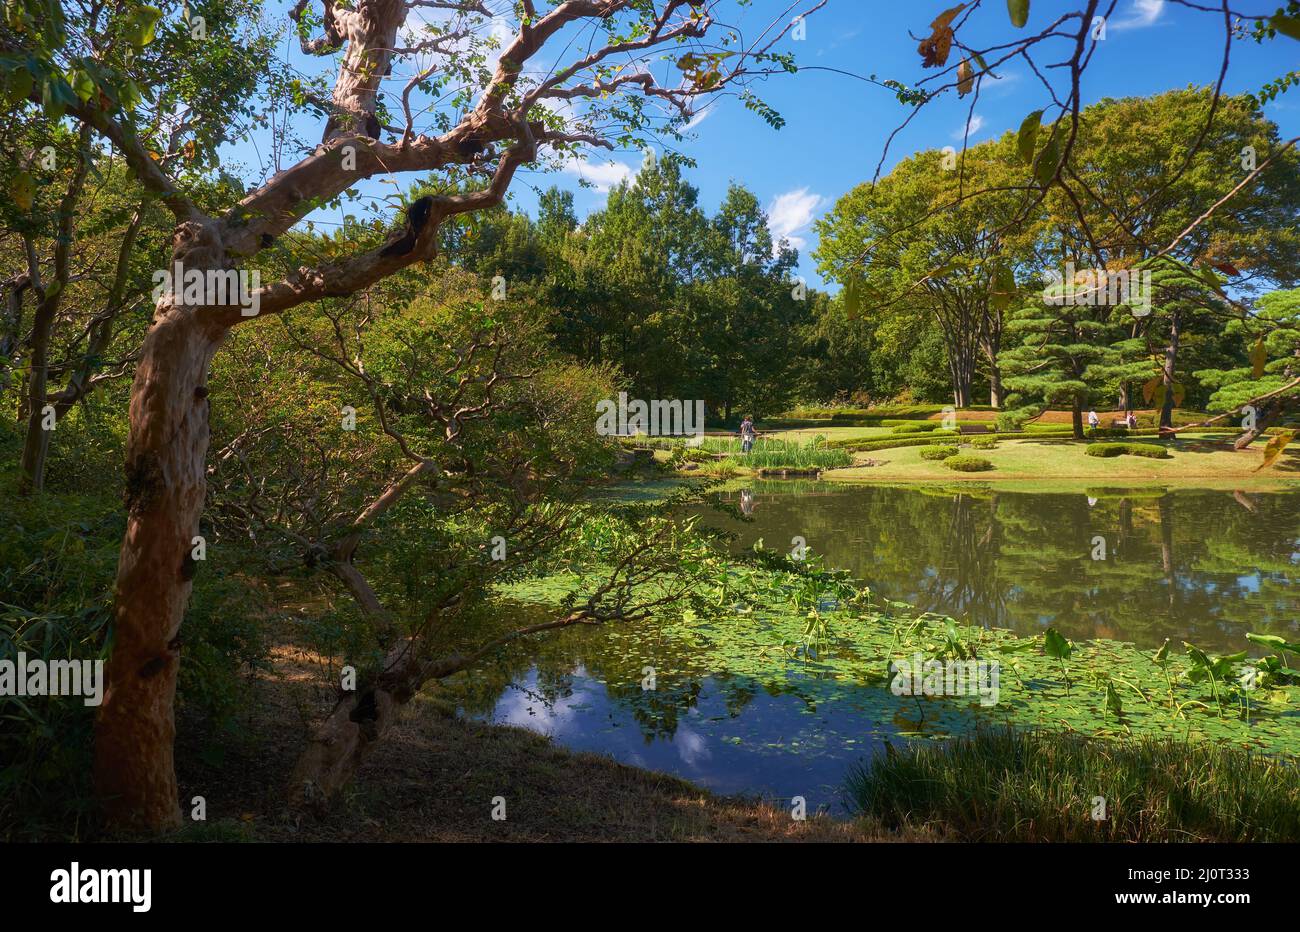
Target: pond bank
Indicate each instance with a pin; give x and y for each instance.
(434, 777)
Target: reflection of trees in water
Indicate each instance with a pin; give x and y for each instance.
(616, 658)
(967, 584)
(1177, 563)
(1194, 566)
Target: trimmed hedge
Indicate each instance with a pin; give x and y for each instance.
(1108, 450)
(858, 445)
(967, 463)
(938, 452)
(984, 443)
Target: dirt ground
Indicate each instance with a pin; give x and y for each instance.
(435, 777)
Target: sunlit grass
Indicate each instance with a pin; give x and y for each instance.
(1007, 785)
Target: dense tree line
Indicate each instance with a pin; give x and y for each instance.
(967, 243)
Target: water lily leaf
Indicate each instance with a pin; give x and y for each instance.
(1055, 645)
(1272, 640)
(1113, 702)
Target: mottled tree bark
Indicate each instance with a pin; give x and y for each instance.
(167, 447)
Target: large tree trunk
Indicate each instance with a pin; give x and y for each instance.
(11, 329)
(1076, 417)
(991, 344)
(961, 382)
(165, 484)
(1167, 372)
(36, 443)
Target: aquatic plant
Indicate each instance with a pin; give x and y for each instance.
(1003, 784)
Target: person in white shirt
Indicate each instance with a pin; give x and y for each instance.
(747, 435)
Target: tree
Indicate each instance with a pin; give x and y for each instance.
(1265, 383)
(914, 242)
(1057, 347)
(72, 197)
(511, 120)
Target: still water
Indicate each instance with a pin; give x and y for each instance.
(1136, 565)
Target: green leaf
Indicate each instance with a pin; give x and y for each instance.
(1258, 359)
(1018, 10)
(1112, 699)
(1287, 25)
(1004, 288)
(140, 25)
(18, 85)
(1045, 168)
(1162, 655)
(23, 190)
(1027, 138)
(1055, 645)
(1268, 640)
(83, 85)
(852, 300)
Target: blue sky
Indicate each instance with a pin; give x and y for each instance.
(836, 126)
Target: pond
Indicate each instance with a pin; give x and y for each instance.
(1137, 565)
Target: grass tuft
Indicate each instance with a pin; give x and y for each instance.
(1009, 785)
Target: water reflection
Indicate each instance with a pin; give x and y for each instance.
(1134, 565)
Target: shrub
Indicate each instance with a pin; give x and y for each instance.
(1108, 450)
(1015, 419)
(967, 463)
(859, 445)
(916, 427)
(984, 443)
(938, 452)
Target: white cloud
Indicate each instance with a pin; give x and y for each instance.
(791, 213)
(976, 124)
(1144, 13)
(602, 175)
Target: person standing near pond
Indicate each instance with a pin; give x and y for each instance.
(747, 434)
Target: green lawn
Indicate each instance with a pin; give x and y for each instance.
(834, 433)
(1193, 458)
